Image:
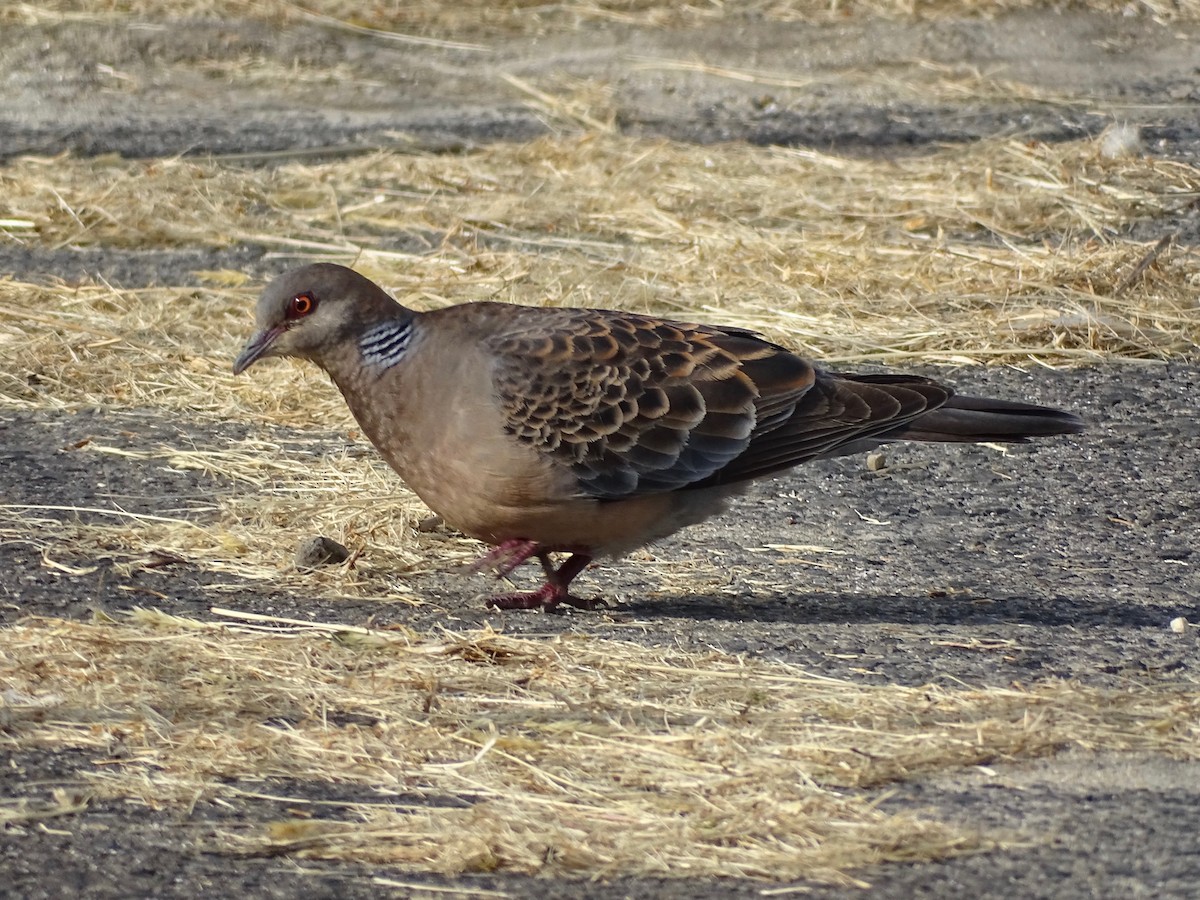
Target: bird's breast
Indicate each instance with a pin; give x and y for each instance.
(446, 438)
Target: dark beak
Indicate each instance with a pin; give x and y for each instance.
(258, 346)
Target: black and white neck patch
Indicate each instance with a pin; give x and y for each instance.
(385, 344)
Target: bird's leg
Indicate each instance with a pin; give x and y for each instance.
(554, 592)
(559, 580)
(505, 557)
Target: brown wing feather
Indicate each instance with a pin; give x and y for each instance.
(634, 404)
(841, 414)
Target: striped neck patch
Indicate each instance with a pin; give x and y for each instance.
(385, 344)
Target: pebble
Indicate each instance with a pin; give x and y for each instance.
(1120, 141)
(319, 550)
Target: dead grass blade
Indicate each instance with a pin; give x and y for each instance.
(480, 752)
(439, 23)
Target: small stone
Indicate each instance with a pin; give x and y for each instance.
(320, 551)
(1179, 625)
(1120, 141)
(876, 461)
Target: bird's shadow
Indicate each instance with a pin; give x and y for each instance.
(960, 609)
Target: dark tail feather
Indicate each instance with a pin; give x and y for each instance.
(974, 419)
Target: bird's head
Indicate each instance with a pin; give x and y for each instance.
(309, 312)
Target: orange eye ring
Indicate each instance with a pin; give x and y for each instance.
(301, 305)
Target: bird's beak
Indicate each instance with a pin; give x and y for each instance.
(257, 347)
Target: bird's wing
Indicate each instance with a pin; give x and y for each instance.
(634, 404)
(840, 414)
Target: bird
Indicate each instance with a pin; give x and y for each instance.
(544, 431)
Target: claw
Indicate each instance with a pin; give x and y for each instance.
(555, 592)
(548, 597)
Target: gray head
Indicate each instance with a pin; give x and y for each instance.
(312, 311)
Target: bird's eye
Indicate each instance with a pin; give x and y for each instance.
(301, 305)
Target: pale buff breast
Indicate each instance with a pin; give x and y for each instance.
(434, 420)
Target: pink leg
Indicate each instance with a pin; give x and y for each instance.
(554, 592)
(504, 558)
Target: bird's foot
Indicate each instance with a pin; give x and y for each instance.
(554, 593)
(548, 597)
(504, 558)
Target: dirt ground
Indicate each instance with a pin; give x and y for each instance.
(1063, 559)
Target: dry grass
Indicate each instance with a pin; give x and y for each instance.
(480, 752)
(263, 495)
(999, 251)
(433, 20)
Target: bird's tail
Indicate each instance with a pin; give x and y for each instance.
(845, 413)
(975, 419)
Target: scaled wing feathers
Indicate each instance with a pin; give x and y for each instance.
(634, 404)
